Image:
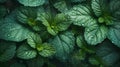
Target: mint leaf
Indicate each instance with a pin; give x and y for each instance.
(26, 52)
(96, 6)
(33, 40)
(12, 30)
(114, 33)
(47, 50)
(99, 7)
(7, 51)
(95, 34)
(81, 15)
(32, 3)
(54, 24)
(65, 42)
(61, 6)
(108, 53)
(114, 8)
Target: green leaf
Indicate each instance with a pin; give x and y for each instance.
(32, 3)
(61, 6)
(114, 34)
(108, 53)
(26, 15)
(81, 15)
(7, 51)
(114, 8)
(17, 65)
(26, 52)
(99, 7)
(47, 50)
(64, 45)
(95, 34)
(36, 62)
(80, 41)
(54, 24)
(62, 22)
(11, 30)
(96, 6)
(33, 40)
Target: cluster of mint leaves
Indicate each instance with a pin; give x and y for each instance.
(35, 33)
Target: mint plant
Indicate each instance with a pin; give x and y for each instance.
(59, 33)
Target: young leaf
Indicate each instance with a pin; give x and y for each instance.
(64, 45)
(33, 40)
(7, 51)
(11, 30)
(32, 3)
(47, 51)
(26, 52)
(81, 15)
(95, 34)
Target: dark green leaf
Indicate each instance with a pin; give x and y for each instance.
(7, 51)
(11, 30)
(114, 34)
(64, 45)
(108, 53)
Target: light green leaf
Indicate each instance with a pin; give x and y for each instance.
(61, 6)
(33, 40)
(81, 15)
(32, 3)
(114, 34)
(64, 45)
(80, 41)
(62, 22)
(108, 53)
(36, 62)
(7, 51)
(95, 34)
(52, 31)
(54, 24)
(13, 31)
(47, 50)
(26, 52)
